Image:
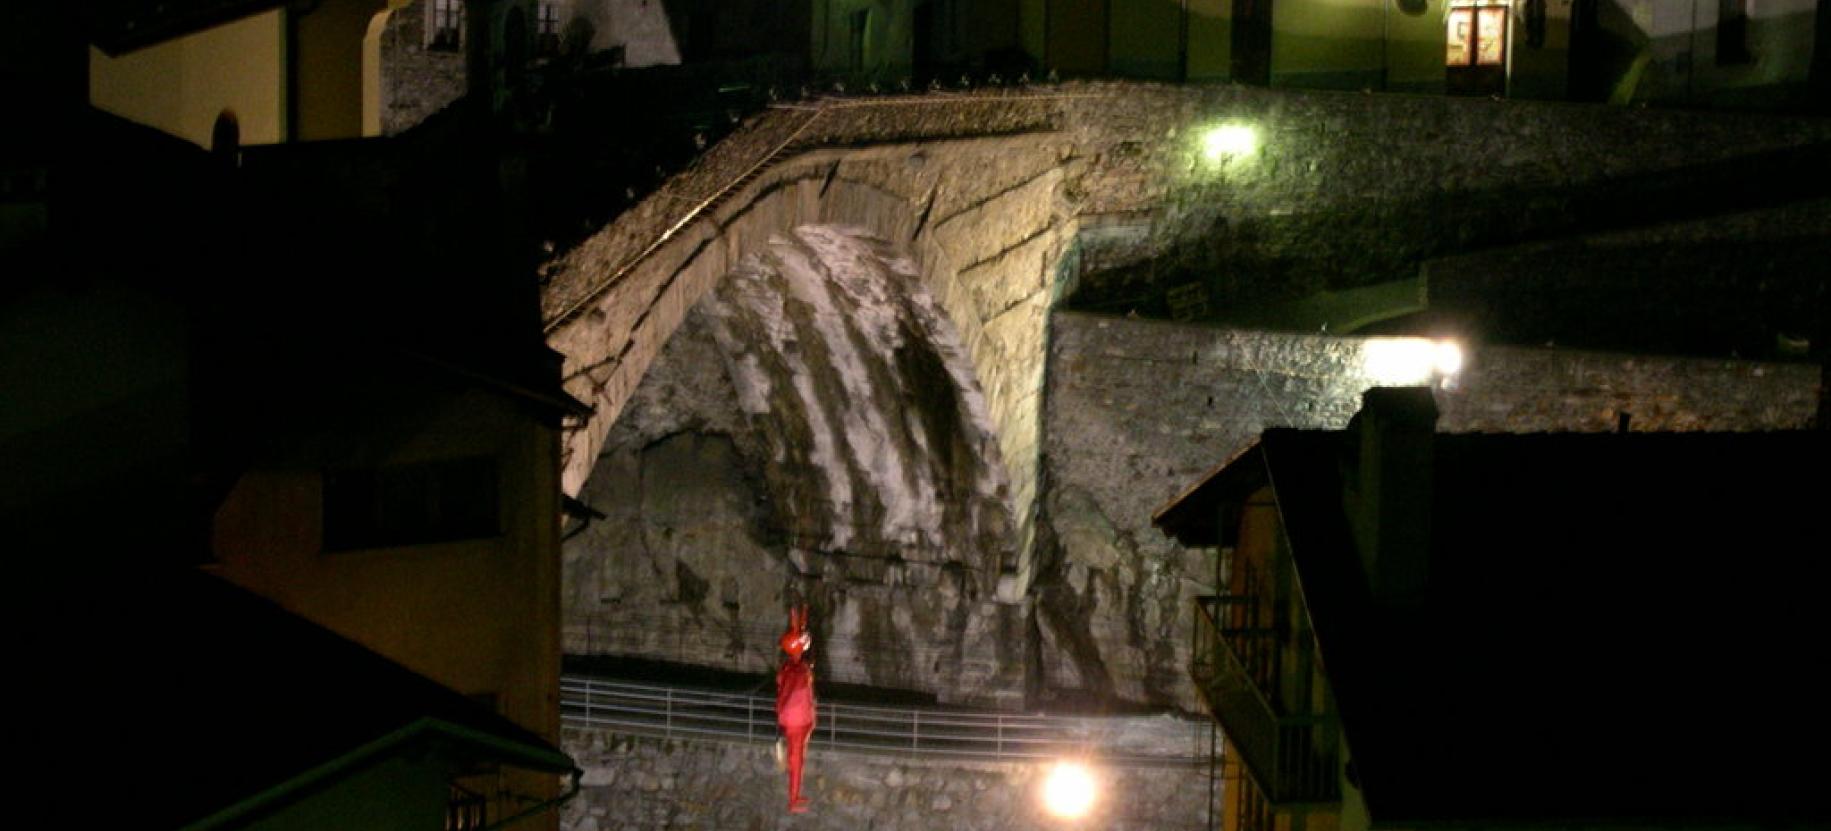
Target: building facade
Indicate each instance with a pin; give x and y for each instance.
(1715, 52)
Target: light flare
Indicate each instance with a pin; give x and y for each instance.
(1229, 141)
(1394, 362)
(1069, 790)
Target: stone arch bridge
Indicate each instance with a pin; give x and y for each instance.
(1010, 200)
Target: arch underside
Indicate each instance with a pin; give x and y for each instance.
(980, 218)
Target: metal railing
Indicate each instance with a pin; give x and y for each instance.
(675, 712)
(1291, 757)
(682, 638)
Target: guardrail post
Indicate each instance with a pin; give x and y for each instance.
(915, 730)
(667, 709)
(999, 752)
(750, 710)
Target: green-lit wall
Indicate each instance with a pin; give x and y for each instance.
(1145, 39)
(1543, 70)
(1415, 47)
(1326, 43)
(1210, 39)
(1343, 44)
(889, 35)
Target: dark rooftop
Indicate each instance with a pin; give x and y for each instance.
(123, 25)
(171, 695)
(1616, 628)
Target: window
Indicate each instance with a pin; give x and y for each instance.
(1477, 36)
(410, 504)
(445, 29)
(546, 42)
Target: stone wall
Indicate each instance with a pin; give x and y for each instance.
(811, 433)
(415, 81)
(1346, 189)
(1750, 283)
(646, 783)
(1105, 189)
(1139, 410)
(1009, 200)
(980, 217)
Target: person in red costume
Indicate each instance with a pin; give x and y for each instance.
(795, 702)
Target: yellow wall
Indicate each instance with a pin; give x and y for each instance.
(330, 68)
(181, 85)
(480, 616)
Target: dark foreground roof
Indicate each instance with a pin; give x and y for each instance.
(158, 699)
(1618, 628)
(122, 25)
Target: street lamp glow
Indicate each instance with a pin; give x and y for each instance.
(1068, 792)
(1229, 141)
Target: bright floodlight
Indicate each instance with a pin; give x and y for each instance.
(1398, 362)
(1069, 790)
(1229, 141)
(1449, 358)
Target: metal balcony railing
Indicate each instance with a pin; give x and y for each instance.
(1291, 757)
(466, 810)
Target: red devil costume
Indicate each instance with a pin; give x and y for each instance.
(795, 702)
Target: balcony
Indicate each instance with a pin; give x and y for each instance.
(1292, 758)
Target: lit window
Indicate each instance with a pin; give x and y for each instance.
(445, 30)
(1477, 35)
(547, 42)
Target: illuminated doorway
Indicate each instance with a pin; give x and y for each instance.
(1476, 40)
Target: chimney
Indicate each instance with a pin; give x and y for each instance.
(1389, 490)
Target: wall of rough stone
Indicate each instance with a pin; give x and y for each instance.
(980, 218)
(810, 433)
(648, 783)
(1139, 410)
(1010, 200)
(1111, 180)
(1750, 283)
(1348, 189)
(415, 81)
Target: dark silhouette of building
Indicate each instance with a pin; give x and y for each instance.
(1506, 631)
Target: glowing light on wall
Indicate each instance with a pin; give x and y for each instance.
(1069, 790)
(1229, 141)
(1448, 358)
(1410, 361)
